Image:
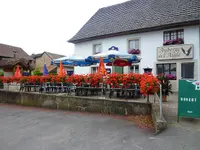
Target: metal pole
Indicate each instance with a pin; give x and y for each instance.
(160, 102)
(112, 66)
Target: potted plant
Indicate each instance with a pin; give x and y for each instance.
(147, 84)
(166, 86)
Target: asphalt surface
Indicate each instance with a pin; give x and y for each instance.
(23, 128)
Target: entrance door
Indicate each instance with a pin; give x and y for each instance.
(118, 69)
(187, 70)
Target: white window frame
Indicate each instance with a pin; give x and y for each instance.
(134, 39)
(134, 68)
(193, 70)
(94, 50)
(92, 69)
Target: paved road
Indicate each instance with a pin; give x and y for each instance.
(23, 128)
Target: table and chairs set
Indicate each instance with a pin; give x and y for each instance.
(132, 91)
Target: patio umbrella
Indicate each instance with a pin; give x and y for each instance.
(62, 71)
(101, 68)
(69, 58)
(119, 63)
(17, 72)
(124, 62)
(112, 54)
(72, 61)
(45, 70)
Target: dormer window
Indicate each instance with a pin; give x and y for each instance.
(173, 37)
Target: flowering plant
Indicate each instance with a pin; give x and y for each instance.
(148, 82)
(94, 79)
(171, 77)
(166, 86)
(131, 78)
(76, 79)
(7, 79)
(175, 41)
(134, 51)
(114, 79)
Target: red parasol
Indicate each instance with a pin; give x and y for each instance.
(17, 72)
(62, 71)
(101, 68)
(119, 63)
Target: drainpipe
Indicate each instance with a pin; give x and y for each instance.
(199, 54)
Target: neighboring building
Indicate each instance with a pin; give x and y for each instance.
(147, 25)
(47, 57)
(11, 56)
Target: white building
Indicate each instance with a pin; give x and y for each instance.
(147, 25)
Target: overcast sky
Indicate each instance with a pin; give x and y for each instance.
(45, 25)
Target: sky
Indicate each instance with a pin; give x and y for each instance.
(45, 25)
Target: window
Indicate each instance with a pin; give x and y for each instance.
(187, 70)
(97, 49)
(167, 69)
(134, 69)
(94, 69)
(173, 35)
(134, 44)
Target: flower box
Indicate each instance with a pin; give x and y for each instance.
(134, 51)
(172, 42)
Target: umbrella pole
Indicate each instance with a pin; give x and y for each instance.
(112, 67)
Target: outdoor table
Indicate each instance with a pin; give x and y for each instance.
(84, 90)
(132, 93)
(27, 87)
(112, 90)
(124, 92)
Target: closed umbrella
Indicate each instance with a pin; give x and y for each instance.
(62, 71)
(101, 68)
(45, 70)
(17, 72)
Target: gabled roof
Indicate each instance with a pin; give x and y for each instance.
(136, 16)
(10, 62)
(8, 51)
(51, 55)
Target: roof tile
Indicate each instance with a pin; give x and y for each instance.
(137, 14)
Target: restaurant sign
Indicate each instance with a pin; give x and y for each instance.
(189, 99)
(183, 51)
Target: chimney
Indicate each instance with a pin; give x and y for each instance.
(14, 53)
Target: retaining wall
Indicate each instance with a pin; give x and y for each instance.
(75, 103)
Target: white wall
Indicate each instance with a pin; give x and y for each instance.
(149, 42)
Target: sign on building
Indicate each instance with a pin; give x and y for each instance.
(183, 51)
(189, 99)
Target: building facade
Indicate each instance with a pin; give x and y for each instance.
(151, 46)
(46, 58)
(170, 47)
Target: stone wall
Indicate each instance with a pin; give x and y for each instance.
(159, 122)
(74, 103)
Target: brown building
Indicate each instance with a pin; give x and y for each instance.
(46, 58)
(11, 56)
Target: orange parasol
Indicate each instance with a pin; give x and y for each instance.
(17, 72)
(101, 68)
(62, 71)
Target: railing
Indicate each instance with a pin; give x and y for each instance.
(159, 100)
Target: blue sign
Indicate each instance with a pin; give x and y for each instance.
(108, 70)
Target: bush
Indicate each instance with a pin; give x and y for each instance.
(37, 73)
(1, 73)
